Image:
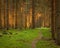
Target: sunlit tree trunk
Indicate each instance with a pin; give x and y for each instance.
(19, 15)
(4, 13)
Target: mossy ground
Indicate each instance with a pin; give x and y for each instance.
(23, 38)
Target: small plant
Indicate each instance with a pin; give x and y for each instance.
(5, 32)
(1, 35)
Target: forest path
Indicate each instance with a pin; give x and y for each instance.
(36, 40)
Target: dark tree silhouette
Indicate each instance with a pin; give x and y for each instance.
(7, 14)
(33, 15)
(0, 17)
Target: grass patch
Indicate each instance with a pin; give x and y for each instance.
(46, 32)
(46, 43)
(23, 38)
(18, 38)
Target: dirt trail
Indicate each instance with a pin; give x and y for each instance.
(36, 40)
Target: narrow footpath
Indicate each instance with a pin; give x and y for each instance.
(36, 40)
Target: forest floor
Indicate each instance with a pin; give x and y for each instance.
(30, 38)
(34, 42)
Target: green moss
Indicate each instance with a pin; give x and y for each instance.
(18, 38)
(23, 38)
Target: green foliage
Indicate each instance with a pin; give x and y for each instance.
(46, 41)
(24, 38)
(46, 32)
(47, 44)
(18, 38)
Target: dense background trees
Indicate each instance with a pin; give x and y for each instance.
(24, 14)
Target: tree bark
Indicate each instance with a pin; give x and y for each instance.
(7, 14)
(0, 20)
(33, 14)
(53, 19)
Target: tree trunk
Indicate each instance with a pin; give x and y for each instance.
(16, 14)
(33, 14)
(53, 19)
(7, 14)
(57, 21)
(0, 17)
